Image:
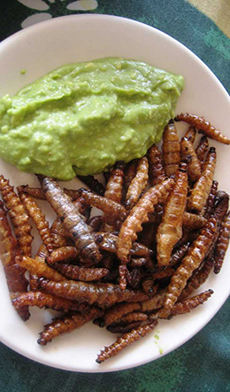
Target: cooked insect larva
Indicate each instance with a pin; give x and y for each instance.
(170, 229)
(202, 149)
(193, 221)
(114, 211)
(93, 184)
(198, 278)
(114, 184)
(18, 215)
(64, 253)
(204, 126)
(211, 200)
(138, 216)
(222, 243)
(138, 184)
(37, 193)
(129, 173)
(189, 155)
(72, 220)
(108, 241)
(39, 219)
(201, 189)
(123, 327)
(39, 269)
(45, 300)
(190, 262)
(116, 312)
(171, 149)
(191, 134)
(102, 294)
(182, 307)
(15, 275)
(125, 340)
(156, 168)
(84, 274)
(67, 324)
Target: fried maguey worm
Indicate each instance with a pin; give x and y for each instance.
(39, 219)
(93, 184)
(18, 215)
(114, 211)
(67, 324)
(108, 241)
(156, 168)
(204, 126)
(202, 149)
(125, 340)
(64, 253)
(36, 267)
(191, 262)
(138, 216)
(201, 189)
(191, 134)
(72, 220)
(113, 190)
(102, 294)
(138, 183)
(222, 243)
(45, 300)
(170, 229)
(84, 274)
(15, 275)
(182, 307)
(170, 149)
(188, 154)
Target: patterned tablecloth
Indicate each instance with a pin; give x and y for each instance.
(203, 363)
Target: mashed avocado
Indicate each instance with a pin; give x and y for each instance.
(81, 118)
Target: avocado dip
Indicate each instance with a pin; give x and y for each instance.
(82, 118)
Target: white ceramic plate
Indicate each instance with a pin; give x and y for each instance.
(46, 46)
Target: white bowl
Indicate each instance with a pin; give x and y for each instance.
(46, 46)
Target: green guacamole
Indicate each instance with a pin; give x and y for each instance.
(81, 118)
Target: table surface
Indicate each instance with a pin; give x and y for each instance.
(203, 363)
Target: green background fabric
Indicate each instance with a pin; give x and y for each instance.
(203, 363)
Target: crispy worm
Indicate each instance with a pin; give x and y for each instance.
(202, 149)
(39, 219)
(170, 229)
(156, 302)
(139, 215)
(129, 173)
(93, 184)
(116, 312)
(193, 221)
(204, 126)
(201, 189)
(15, 275)
(222, 243)
(196, 254)
(138, 184)
(18, 215)
(123, 327)
(64, 253)
(179, 254)
(125, 340)
(108, 242)
(39, 269)
(191, 134)
(45, 300)
(171, 149)
(189, 155)
(114, 211)
(130, 318)
(67, 324)
(182, 307)
(156, 168)
(59, 234)
(102, 294)
(72, 220)
(211, 200)
(84, 274)
(198, 278)
(114, 185)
